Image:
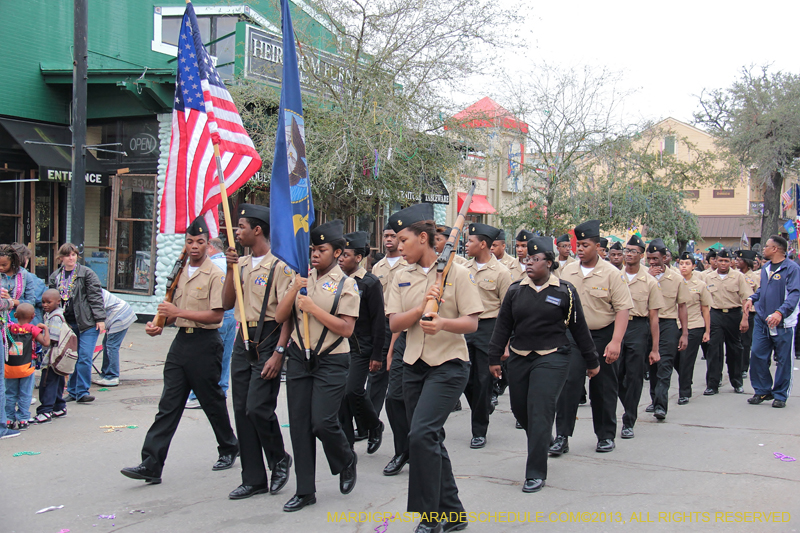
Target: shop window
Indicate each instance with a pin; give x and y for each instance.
(10, 201)
(46, 229)
(133, 234)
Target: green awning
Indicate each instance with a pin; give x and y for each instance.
(716, 246)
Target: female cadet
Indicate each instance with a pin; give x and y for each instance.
(435, 363)
(538, 311)
(315, 386)
(699, 325)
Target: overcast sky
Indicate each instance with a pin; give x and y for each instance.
(668, 51)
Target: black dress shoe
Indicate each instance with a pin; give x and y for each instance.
(710, 392)
(518, 425)
(650, 408)
(646, 375)
(361, 435)
(225, 461)
(245, 491)
(660, 413)
(759, 398)
(738, 390)
(605, 445)
(143, 473)
(494, 400)
(396, 464)
(429, 528)
(780, 404)
(298, 502)
(347, 477)
(458, 525)
(560, 446)
(477, 442)
(280, 474)
(626, 433)
(683, 400)
(375, 439)
(86, 398)
(532, 485)
(458, 406)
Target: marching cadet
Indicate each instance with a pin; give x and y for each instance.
(367, 342)
(442, 234)
(745, 262)
(493, 281)
(606, 303)
(603, 250)
(315, 385)
(615, 256)
(521, 247)
(194, 360)
(729, 290)
(394, 347)
(564, 246)
(699, 324)
(712, 263)
(255, 377)
(436, 362)
(671, 339)
(642, 333)
(538, 311)
(498, 249)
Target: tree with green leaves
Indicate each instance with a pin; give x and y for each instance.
(757, 119)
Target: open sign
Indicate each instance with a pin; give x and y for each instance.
(142, 144)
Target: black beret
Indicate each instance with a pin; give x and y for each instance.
(357, 240)
(501, 235)
(656, 245)
(524, 235)
(711, 253)
(198, 227)
(327, 232)
(635, 240)
(539, 245)
(616, 246)
(724, 254)
(750, 255)
(603, 243)
(485, 230)
(254, 211)
(563, 238)
(411, 214)
(444, 229)
(587, 230)
(686, 255)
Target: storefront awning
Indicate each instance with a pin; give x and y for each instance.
(480, 204)
(55, 162)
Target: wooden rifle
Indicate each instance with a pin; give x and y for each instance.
(445, 259)
(172, 284)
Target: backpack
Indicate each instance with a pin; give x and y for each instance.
(64, 355)
(19, 356)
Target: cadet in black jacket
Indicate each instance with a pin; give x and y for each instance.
(366, 343)
(538, 311)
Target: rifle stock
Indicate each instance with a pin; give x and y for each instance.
(172, 284)
(445, 260)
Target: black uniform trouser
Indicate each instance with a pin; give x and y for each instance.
(396, 410)
(570, 397)
(661, 372)
(314, 400)
(378, 382)
(194, 363)
(535, 383)
(431, 393)
(604, 387)
(479, 386)
(632, 361)
(796, 341)
(356, 404)
(724, 330)
(747, 342)
(686, 360)
(254, 403)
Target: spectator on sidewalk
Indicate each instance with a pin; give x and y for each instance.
(13, 277)
(51, 384)
(19, 369)
(119, 317)
(31, 280)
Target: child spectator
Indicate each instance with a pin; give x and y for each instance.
(119, 317)
(19, 369)
(51, 385)
(31, 280)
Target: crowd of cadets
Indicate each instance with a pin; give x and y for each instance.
(353, 341)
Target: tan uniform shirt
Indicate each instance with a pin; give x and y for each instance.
(513, 266)
(644, 293)
(254, 286)
(493, 280)
(459, 298)
(603, 292)
(385, 272)
(457, 259)
(569, 261)
(323, 291)
(753, 277)
(200, 292)
(698, 296)
(674, 291)
(730, 292)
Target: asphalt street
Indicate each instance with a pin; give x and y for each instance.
(710, 466)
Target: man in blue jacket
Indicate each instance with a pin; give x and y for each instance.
(776, 317)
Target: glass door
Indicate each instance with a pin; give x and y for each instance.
(45, 234)
(133, 234)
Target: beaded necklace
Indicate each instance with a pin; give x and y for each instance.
(19, 284)
(65, 286)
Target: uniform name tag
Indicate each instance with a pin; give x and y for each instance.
(405, 284)
(553, 300)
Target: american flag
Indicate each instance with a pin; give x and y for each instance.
(787, 199)
(203, 115)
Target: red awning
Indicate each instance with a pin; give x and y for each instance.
(480, 204)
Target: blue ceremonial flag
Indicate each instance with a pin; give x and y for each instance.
(790, 229)
(291, 206)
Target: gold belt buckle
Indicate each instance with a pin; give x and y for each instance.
(252, 324)
(725, 310)
(630, 317)
(189, 330)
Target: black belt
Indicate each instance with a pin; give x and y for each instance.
(195, 330)
(632, 318)
(732, 309)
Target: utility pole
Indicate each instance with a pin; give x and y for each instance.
(79, 98)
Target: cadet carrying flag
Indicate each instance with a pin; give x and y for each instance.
(291, 206)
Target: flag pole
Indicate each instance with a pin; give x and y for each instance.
(237, 282)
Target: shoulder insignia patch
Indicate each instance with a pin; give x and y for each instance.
(355, 286)
(472, 279)
(287, 271)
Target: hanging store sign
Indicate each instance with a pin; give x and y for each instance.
(65, 176)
